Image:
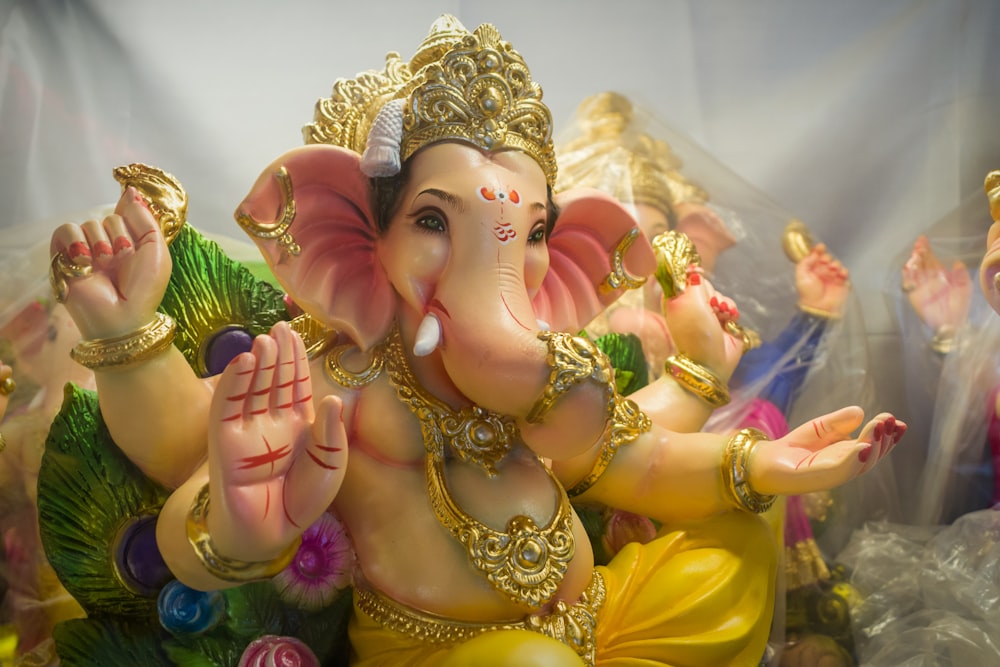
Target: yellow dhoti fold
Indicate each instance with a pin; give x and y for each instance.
(700, 596)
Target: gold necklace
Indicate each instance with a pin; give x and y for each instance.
(525, 563)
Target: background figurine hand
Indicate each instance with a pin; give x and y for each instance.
(940, 297)
(111, 274)
(822, 282)
(696, 318)
(821, 454)
(274, 464)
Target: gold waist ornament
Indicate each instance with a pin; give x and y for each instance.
(574, 625)
(525, 563)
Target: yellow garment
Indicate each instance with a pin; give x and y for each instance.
(695, 597)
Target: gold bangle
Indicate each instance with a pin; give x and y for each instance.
(572, 359)
(816, 312)
(944, 340)
(628, 423)
(132, 348)
(221, 567)
(736, 471)
(697, 379)
(8, 386)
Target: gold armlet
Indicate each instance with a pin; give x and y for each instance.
(697, 379)
(816, 312)
(220, 567)
(132, 348)
(572, 359)
(736, 472)
(628, 423)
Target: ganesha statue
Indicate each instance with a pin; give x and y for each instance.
(448, 413)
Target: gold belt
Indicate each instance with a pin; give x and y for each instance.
(574, 625)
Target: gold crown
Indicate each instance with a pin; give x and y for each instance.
(470, 87)
(611, 154)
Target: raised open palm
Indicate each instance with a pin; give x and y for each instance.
(274, 464)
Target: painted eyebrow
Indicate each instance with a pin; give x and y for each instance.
(453, 200)
(539, 206)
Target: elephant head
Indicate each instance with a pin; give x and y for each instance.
(467, 254)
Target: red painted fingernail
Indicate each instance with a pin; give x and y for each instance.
(890, 424)
(714, 302)
(864, 454)
(78, 249)
(694, 279)
(102, 248)
(121, 243)
(878, 431)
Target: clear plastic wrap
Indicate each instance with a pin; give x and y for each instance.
(927, 595)
(807, 365)
(951, 364)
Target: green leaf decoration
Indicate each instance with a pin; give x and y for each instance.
(88, 491)
(205, 651)
(87, 642)
(628, 360)
(209, 292)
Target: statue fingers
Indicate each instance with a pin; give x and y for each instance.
(877, 439)
(292, 381)
(100, 243)
(316, 474)
(72, 259)
(258, 400)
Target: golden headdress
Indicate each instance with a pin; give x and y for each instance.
(470, 87)
(612, 155)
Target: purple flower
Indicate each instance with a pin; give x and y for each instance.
(321, 568)
(275, 651)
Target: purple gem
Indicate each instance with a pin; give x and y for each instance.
(224, 346)
(139, 561)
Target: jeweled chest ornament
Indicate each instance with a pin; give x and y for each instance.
(525, 563)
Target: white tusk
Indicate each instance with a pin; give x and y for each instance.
(543, 325)
(428, 335)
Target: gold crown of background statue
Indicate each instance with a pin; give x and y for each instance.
(613, 154)
(470, 87)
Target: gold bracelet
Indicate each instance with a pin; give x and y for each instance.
(3, 442)
(697, 379)
(572, 359)
(944, 340)
(821, 314)
(132, 348)
(736, 471)
(628, 423)
(221, 567)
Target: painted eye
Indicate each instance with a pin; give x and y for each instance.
(431, 222)
(537, 234)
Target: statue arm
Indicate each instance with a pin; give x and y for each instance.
(673, 477)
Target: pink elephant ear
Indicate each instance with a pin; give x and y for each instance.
(591, 226)
(314, 200)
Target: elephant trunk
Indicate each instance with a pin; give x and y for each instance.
(489, 341)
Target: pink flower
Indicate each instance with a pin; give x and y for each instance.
(624, 527)
(321, 568)
(275, 651)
